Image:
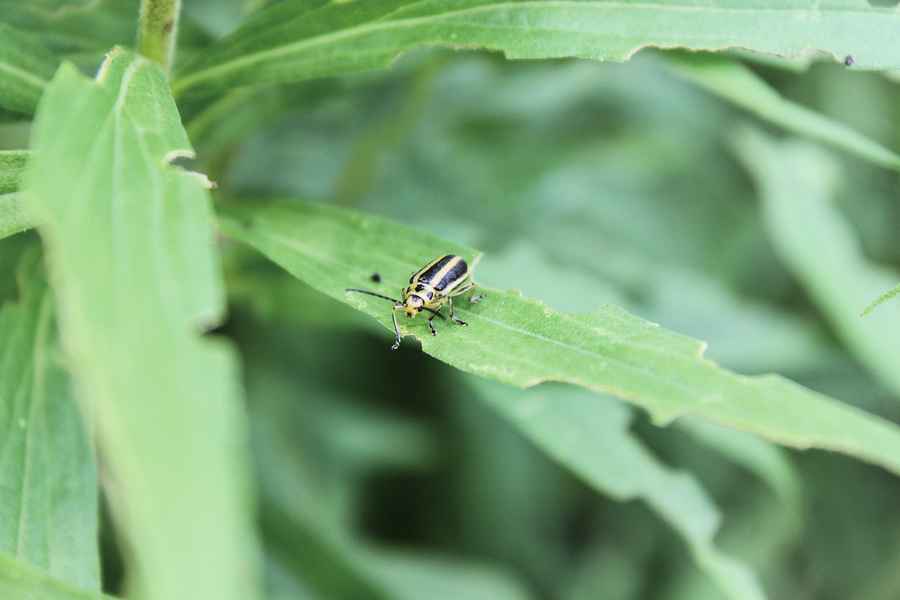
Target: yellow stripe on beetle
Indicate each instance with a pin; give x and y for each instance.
(432, 286)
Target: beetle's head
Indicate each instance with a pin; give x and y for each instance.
(413, 305)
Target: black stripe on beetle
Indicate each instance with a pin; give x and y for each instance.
(426, 274)
(458, 271)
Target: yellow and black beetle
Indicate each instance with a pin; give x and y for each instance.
(432, 286)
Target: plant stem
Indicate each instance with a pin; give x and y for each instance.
(158, 29)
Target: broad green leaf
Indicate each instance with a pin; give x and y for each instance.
(21, 581)
(48, 501)
(25, 69)
(796, 185)
(131, 249)
(894, 291)
(738, 84)
(589, 435)
(523, 342)
(12, 165)
(298, 39)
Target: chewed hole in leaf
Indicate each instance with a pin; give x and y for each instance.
(185, 160)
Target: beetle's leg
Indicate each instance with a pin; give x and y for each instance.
(430, 325)
(452, 318)
(396, 329)
(468, 288)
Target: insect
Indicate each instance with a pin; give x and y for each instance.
(432, 286)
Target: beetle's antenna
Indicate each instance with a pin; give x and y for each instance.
(394, 300)
(396, 343)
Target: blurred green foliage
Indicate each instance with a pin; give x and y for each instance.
(392, 475)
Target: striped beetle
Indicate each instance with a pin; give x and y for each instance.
(432, 286)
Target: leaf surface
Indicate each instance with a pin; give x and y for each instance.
(25, 68)
(23, 582)
(589, 435)
(12, 165)
(48, 500)
(136, 275)
(523, 342)
(738, 84)
(13, 216)
(295, 40)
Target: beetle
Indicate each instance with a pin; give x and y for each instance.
(435, 284)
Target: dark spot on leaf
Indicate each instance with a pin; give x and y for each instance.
(167, 28)
(848, 60)
(375, 277)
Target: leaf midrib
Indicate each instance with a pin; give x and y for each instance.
(384, 24)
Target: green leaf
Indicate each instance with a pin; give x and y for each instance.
(12, 165)
(134, 287)
(296, 40)
(13, 216)
(71, 26)
(25, 69)
(48, 501)
(738, 84)
(23, 582)
(881, 299)
(796, 184)
(589, 435)
(523, 342)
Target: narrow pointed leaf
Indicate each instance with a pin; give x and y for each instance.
(738, 84)
(48, 500)
(891, 293)
(25, 69)
(523, 342)
(797, 183)
(298, 39)
(589, 435)
(133, 290)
